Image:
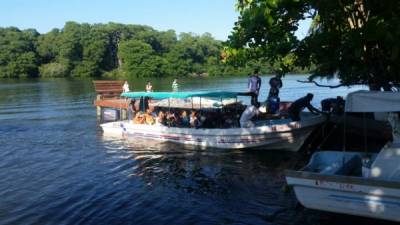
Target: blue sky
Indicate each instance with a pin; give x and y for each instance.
(199, 16)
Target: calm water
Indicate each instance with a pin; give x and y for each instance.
(57, 168)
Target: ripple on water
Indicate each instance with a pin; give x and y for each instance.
(56, 167)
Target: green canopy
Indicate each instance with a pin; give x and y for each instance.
(188, 94)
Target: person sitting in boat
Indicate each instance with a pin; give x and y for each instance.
(185, 121)
(194, 121)
(139, 118)
(131, 109)
(171, 119)
(297, 106)
(144, 103)
(149, 119)
(249, 113)
(228, 120)
(161, 119)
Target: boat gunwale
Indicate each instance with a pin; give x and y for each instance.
(237, 131)
(341, 179)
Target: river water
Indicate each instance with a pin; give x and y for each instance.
(57, 168)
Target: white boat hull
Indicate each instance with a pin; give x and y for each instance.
(289, 136)
(348, 195)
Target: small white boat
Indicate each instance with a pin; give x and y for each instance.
(355, 183)
(269, 134)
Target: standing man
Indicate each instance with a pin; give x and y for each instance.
(254, 85)
(275, 84)
(273, 95)
(175, 85)
(149, 87)
(125, 87)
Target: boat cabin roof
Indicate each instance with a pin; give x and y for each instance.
(187, 94)
(373, 101)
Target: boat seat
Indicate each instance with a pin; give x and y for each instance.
(334, 163)
(387, 164)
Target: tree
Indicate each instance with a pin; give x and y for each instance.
(93, 50)
(355, 40)
(138, 58)
(18, 57)
(47, 46)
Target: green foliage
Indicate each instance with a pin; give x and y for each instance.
(114, 50)
(357, 41)
(17, 53)
(53, 70)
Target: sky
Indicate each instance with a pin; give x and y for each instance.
(198, 16)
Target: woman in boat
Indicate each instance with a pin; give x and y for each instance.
(139, 118)
(194, 121)
(149, 117)
(161, 120)
(185, 121)
(171, 119)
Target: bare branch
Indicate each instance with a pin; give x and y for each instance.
(322, 85)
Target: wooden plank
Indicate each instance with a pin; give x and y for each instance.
(108, 88)
(112, 103)
(119, 82)
(115, 90)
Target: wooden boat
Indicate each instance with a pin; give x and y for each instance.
(356, 183)
(271, 134)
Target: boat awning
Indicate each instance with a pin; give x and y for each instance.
(373, 101)
(189, 94)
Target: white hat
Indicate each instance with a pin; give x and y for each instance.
(263, 108)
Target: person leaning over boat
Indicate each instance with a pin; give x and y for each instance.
(297, 106)
(333, 105)
(249, 113)
(254, 85)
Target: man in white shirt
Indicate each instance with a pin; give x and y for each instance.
(250, 112)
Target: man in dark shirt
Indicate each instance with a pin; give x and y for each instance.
(273, 95)
(254, 85)
(275, 84)
(298, 106)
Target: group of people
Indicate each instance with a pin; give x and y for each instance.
(149, 86)
(254, 86)
(197, 119)
(271, 105)
(183, 119)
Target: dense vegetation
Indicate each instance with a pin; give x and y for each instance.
(85, 50)
(355, 40)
